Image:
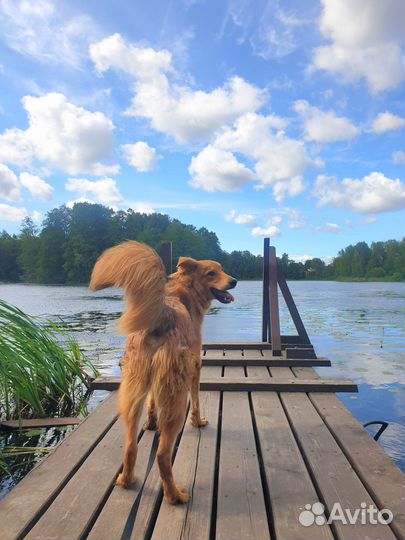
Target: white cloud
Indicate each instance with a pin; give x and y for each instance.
(296, 220)
(265, 26)
(247, 220)
(103, 191)
(324, 126)
(175, 110)
(9, 185)
(37, 216)
(398, 157)
(143, 208)
(387, 121)
(365, 42)
(139, 62)
(67, 137)
(271, 231)
(141, 156)
(11, 213)
(15, 147)
(373, 194)
(300, 258)
(368, 220)
(332, 227)
(36, 186)
(279, 161)
(45, 31)
(214, 169)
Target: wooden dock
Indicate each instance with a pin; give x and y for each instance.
(278, 442)
(264, 455)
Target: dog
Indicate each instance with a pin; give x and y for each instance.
(163, 323)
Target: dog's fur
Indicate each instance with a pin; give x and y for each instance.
(162, 357)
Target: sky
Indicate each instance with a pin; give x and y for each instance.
(256, 118)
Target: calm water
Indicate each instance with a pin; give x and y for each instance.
(359, 326)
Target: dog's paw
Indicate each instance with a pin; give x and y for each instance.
(178, 496)
(199, 422)
(150, 424)
(125, 481)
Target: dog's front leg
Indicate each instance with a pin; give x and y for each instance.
(196, 419)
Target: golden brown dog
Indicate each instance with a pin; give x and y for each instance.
(163, 322)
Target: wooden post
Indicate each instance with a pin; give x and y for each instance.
(165, 253)
(274, 311)
(266, 336)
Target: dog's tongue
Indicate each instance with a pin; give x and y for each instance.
(223, 296)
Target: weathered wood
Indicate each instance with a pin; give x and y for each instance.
(31, 423)
(300, 353)
(382, 478)
(241, 511)
(21, 508)
(71, 513)
(165, 253)
(285, 291)
(113, 518)
(266, 335)
(259, 345)
(245, 384)
(194, 468)
(284, 467)
(333, 475)
(274, 311)
(276, 362)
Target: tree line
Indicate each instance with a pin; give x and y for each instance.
(64, 249)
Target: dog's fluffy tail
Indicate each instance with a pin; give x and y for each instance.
(140, 271)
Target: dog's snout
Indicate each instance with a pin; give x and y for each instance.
(233, 283)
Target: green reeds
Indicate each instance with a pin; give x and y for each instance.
(42, 370)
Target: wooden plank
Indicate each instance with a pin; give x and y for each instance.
(290, 486)
(383, 479)
(300, 353)
(31, 423)
(115, 514)
(71, 513)
(285, 291)
(276, 362)
(245, 384)
(274, 310)
(333, 475)
(241, 511)
(20, 509)
(286, 339)
(213, 353)
(194, 467)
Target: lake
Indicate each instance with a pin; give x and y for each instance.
(358, 326)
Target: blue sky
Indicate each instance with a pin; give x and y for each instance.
(251, 118)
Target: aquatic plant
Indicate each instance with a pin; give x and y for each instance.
(42, 369)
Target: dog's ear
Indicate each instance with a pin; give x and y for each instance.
(187, 265)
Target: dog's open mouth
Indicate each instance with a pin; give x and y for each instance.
(222, 296)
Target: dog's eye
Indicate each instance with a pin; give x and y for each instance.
(212, 273)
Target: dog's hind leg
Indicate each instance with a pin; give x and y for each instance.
(131, 412)
(171, 420)
(151, 420)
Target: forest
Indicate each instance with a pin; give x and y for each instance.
(64, 249)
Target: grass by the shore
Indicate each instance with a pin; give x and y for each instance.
(42, 369)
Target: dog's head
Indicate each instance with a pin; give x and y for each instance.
(210, 277)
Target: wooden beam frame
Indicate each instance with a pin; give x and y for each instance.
(165, 253)
(244, 384)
